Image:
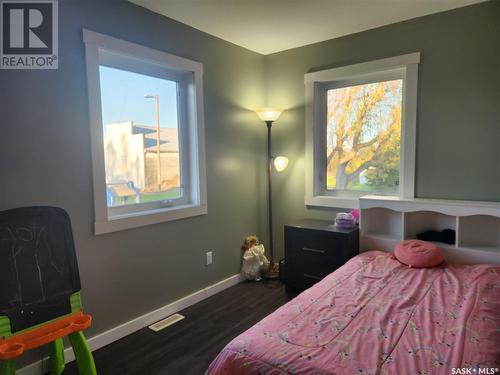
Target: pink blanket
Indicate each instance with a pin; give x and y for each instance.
(377, 316)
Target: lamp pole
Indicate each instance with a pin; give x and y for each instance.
(269, 115)
(270, 198)
(158, 138)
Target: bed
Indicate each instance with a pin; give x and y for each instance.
(375, 315)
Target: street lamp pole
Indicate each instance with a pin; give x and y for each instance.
(158, 138)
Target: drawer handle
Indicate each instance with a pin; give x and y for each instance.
(313, 250)
(312, 277)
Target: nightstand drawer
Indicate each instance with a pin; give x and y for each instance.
(315, 250)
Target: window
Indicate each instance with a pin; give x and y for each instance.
(360, 131)
(363, 134)
(141, 148)
(146, 116)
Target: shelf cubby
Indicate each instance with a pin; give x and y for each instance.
(481, 232)
(382, 223)
(422, 221)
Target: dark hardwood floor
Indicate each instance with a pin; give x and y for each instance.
(188, 347)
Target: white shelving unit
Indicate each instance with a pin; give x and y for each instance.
(387, 220)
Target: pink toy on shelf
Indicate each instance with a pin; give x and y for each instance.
(355, 214)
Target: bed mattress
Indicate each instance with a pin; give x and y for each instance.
(375, 315)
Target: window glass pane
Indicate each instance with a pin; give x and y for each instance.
(142, 164)
(363, 137)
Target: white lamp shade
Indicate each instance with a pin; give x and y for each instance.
(269, 114)
(280, 163)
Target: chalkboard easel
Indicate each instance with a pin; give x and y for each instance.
(40, 288)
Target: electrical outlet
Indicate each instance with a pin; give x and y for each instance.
(209, 258)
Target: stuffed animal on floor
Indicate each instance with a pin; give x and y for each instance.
(254, 260)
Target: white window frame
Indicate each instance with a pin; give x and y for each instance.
(105, 50)
(316, 85)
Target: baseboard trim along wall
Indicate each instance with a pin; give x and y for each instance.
(125, 329)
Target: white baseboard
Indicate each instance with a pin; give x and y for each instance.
(125, 329)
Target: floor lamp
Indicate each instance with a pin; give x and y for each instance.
(269, 115)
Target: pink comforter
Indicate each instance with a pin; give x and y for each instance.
(377, 316)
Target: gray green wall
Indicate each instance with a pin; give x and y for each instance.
(45, 145)
(458, 123)
(45, 159)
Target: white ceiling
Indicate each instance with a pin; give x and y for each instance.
(268, 26)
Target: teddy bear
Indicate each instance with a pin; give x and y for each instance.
(254, 260)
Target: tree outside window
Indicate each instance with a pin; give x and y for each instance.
(364, 137)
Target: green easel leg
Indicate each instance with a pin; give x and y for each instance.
(57, 357)
(8, 367)
(84, 359)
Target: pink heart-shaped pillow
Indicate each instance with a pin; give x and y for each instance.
(419, 254)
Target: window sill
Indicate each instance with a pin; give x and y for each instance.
(141, 219)
(331, 201)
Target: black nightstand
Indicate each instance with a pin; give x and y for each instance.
(314, 249)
